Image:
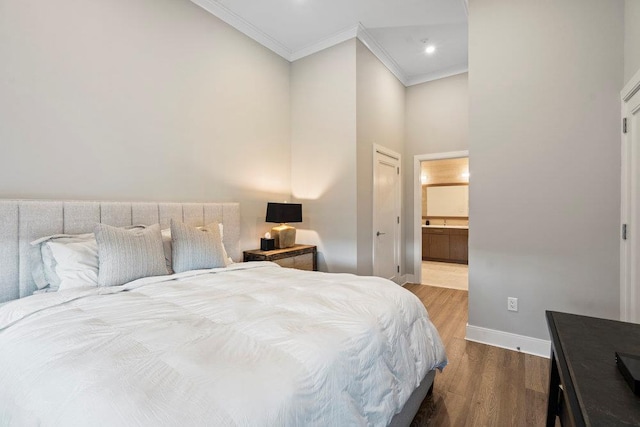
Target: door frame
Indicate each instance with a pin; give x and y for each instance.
(417, 205)
(629, 209)
(397, 247)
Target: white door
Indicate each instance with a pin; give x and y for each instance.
(386, 214)
(630, 246)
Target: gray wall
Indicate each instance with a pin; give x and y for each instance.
(544, 89)
(631, 38)
(323, 153)
(344, 100)
(436, 121)
(140, 100)
(380, 114)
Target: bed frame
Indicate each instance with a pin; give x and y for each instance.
(22, 221)
(410, 409)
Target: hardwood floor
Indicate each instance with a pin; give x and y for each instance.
(482, 385)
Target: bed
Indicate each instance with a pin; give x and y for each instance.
(240, 344)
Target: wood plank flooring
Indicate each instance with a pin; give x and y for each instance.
(482, 385)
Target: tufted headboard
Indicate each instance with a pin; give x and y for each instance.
(22, 221)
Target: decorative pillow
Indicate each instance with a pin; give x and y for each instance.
(126, 255)
(194, 249)
(166, 241)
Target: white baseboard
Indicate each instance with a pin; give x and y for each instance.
(510, 341)
(406, 279)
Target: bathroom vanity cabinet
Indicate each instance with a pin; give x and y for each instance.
(445, 244)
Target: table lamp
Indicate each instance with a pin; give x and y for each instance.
(283, 213)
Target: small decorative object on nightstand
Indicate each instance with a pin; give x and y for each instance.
(302, 257)
(267, 244)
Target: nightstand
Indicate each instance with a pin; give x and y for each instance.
(302, 257)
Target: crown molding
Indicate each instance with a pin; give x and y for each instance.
(424, 78)
(357, 31)
(250, 30)
(325, 43)
(361, 33)
(365, 37)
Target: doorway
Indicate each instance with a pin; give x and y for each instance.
(386, 213)
(441, 219)
(630, 209)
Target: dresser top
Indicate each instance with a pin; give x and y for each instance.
(588, 346)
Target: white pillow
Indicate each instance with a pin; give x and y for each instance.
(227, 258)
(44, 264)
(76, 263)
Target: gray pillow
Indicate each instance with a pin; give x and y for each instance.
(195, 249)
(126, 255)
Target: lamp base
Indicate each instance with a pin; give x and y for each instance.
(284, 235)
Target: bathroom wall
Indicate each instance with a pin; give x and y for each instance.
(443, 172)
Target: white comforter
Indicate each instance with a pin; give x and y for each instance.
(252, 344)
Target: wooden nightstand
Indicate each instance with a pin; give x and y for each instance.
(302, 257)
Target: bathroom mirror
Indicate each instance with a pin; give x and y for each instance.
(448, 201)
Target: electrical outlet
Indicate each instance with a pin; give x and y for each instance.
(512, 304)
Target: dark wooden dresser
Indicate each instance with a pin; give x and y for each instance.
(585, 386)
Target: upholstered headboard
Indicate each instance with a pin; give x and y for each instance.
(22, 221)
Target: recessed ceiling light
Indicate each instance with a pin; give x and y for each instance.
(430, 49)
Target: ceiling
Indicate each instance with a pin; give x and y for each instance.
(397, 32)
(445, 171)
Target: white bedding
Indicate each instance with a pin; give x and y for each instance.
(251, 344)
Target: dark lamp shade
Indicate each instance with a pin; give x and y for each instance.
(284, 212)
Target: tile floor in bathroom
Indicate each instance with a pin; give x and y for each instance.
(445, 275)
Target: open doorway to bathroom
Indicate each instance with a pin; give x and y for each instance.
(443, 230)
